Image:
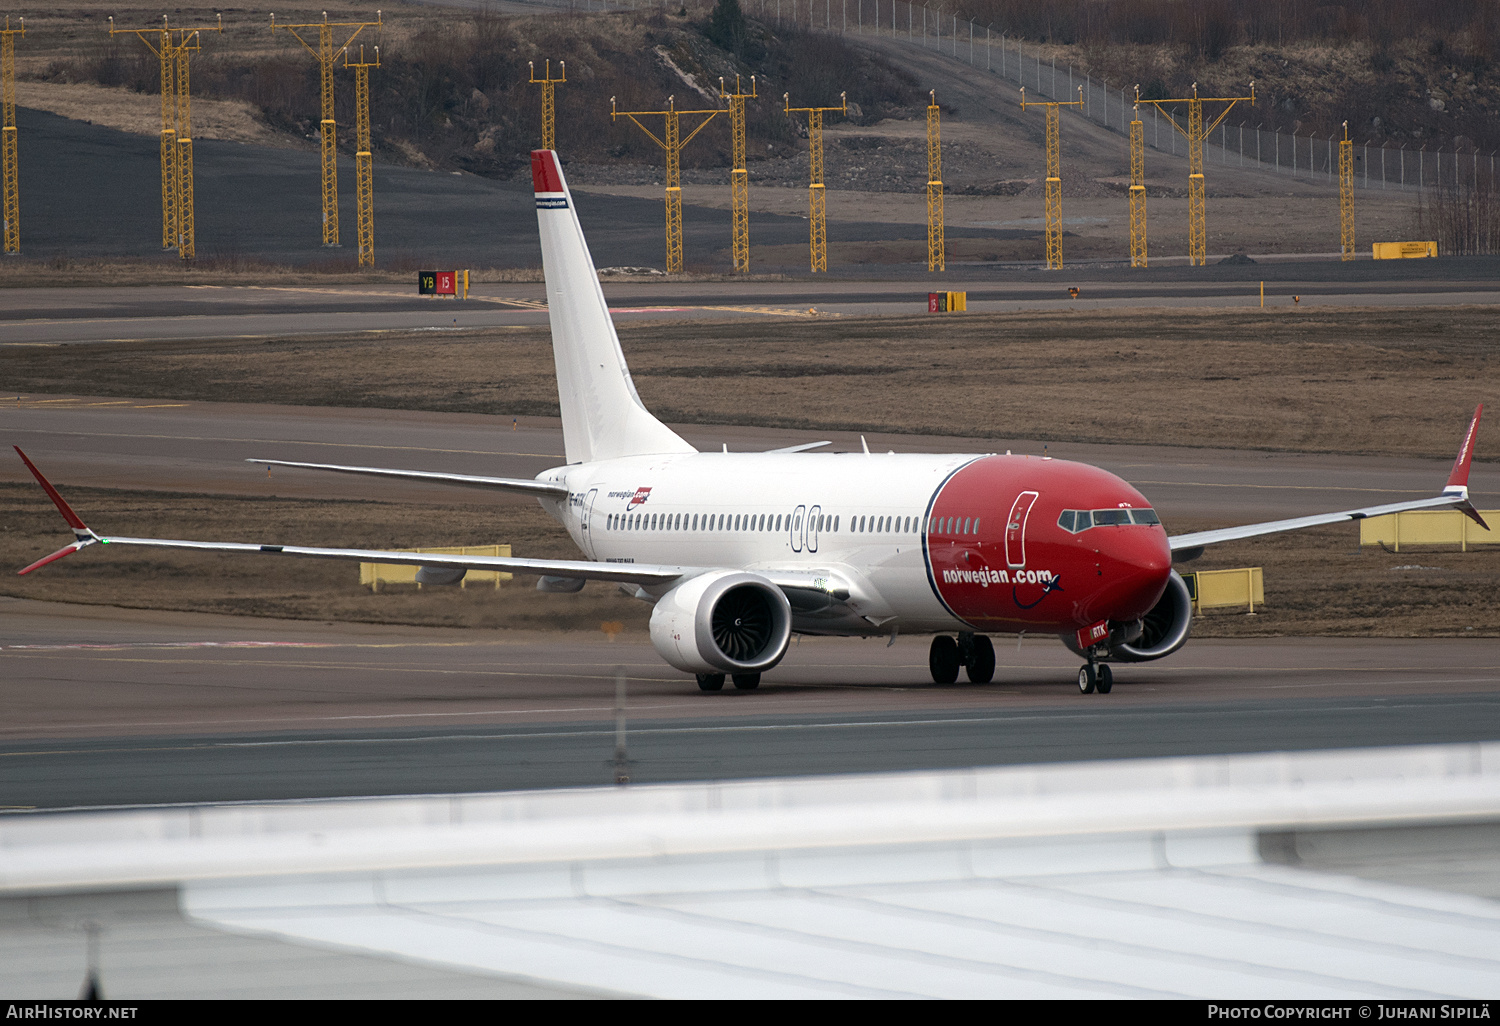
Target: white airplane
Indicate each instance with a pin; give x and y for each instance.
(739, 551)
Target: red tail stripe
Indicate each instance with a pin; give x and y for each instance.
(545, 176)
(57, 500)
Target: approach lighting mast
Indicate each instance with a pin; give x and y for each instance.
(1196, 132)
(1054, 173)
(817, 219)
(672, 144)
(174, 48)
(325, 52)
(9, 167)
(549, 104)
(935, 260)
(364, 170)
(1346, 196)
(739, 176)
(1137, 186)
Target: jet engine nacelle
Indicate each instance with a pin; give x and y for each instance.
(1163, 630)
(443, 575)
(722, 622)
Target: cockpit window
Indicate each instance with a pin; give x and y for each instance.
(1076, 520)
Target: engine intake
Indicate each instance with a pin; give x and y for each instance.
(1164, 629)
(723, 622)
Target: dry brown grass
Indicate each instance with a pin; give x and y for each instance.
(1388, 382)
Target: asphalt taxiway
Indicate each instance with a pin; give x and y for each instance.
(116, 707)
(68, 316)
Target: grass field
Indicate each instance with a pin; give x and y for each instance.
(1385, 382)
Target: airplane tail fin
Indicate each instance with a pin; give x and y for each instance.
(603, 416)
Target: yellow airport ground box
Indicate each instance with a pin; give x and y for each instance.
(373, 575)
(1227, 589)
(1403, 250)
(1445, 527)
(947, 302)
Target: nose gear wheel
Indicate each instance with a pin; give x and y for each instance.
(1093, 678)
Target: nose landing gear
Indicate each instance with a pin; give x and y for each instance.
(1095, 677)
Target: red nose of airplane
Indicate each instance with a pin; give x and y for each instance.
(1134, 564)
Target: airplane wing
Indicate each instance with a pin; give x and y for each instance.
(523, 485)
(622, 573)
(1455, 495)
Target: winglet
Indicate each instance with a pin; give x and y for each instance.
(1458, 481)
(81, 534)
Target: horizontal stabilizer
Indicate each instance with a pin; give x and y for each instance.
(804, 447)
(525, 486)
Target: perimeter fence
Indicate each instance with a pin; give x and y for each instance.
(1244, 144)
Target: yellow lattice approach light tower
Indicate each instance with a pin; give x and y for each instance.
(739, 175)
(1054, 173)
(325, 53)
(10, 208)
(935, 248)
(173, 49)
(672, 144)
(549, 101)
(817, 213)
(364, 168)
(1346, 196)
(1137, 186)
(1196, 132)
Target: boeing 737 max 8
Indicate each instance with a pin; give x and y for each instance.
(739, 551)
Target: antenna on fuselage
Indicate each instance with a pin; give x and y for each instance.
(864, 445)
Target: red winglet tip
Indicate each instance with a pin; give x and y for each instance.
(59, 554)
(545, 176)
(74, 521)
(1459, 478)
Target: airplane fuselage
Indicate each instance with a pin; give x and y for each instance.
(921, 543)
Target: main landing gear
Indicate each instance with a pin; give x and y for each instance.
(971, 651)
(1095, 677)
(715, 681)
